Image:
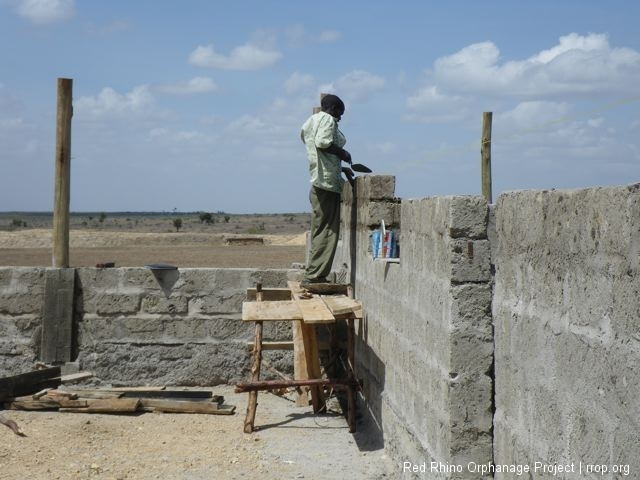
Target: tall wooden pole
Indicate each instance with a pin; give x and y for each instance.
(485, 156)
(62, 174)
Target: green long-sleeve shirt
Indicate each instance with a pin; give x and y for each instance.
(325, 169)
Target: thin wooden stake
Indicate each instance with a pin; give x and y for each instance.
(351, 374)
(485, 156)
(62, 174)
(255, 370)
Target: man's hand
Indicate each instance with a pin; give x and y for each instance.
(341, 153)
(349, 174)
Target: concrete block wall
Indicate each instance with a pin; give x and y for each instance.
(425, 346)
(567, 330)
(181, 327)
(21, 300)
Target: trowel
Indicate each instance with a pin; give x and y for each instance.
(360, 168)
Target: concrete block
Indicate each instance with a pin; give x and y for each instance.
(375, 187)
(374, 212)
(115, 303)
(20, 303)
(155, 303)
(468, 217)
(470, 260)
(472, 306)
(221, 301)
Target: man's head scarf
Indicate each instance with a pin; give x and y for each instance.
(332, 104)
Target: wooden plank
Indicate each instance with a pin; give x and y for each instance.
(75, 377)
(342, 305)
(183, 406)
(313, 309)
(300, 363)
(276, 310)
(270, 294)
(110, 405)
(312, 357)
(145, 388)
(57, 315)
(68, 403)
(29, 383)
(28, 403)
(200, 395)
(101, 394)
(41, 393)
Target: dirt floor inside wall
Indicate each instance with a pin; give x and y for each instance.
(290, 443)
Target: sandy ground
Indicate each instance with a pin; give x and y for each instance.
(290, 443)
(87, 248)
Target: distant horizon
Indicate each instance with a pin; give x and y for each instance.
(145, 212)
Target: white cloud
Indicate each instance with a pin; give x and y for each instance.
(298, 36)
(246, 123)
(244, 57)
(537, 114)
(111, 103)
(329, 36)
(357, 85)
(430, 104)
(298, 82)
(45, 11)
(194, 86)
(577, 64)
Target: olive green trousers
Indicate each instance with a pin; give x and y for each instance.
(325, 229)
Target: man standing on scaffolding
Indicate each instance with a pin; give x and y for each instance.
(324, 141)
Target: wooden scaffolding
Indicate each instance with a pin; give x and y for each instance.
(306, 311)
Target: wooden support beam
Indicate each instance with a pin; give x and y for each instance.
(305, 353)
(57, 316)
(485, 156)
(62, 180)
(255, 369)
(242, 387)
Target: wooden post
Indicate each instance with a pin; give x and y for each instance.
(485, 156)
(56, 341)
(62, 174)
(255, 370)
(351, 374)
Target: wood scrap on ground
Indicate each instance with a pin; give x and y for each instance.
(134, 400)
(46, 389)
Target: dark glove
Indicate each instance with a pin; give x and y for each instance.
(341, 153)
(349, 174)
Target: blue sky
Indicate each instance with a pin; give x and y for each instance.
(196, 105)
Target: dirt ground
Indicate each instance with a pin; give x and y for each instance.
(290, 443)
(137, 239)
(87, 248)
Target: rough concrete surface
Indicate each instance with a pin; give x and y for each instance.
(566, 309)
